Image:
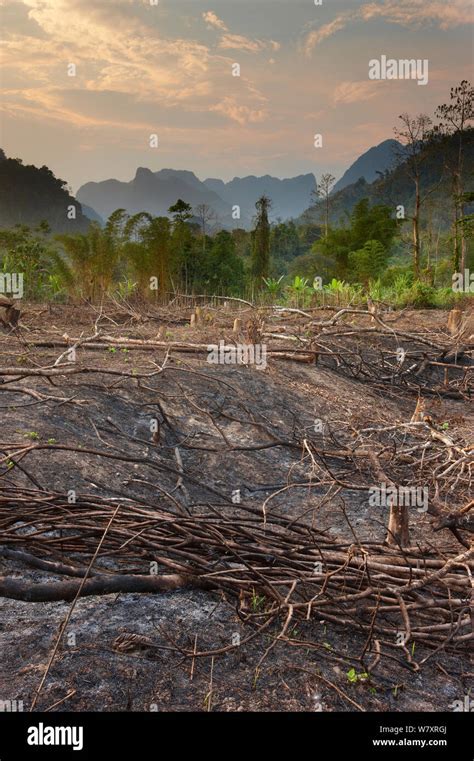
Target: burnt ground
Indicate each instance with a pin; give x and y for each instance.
(211, 414)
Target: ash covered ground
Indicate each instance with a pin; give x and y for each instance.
(223, 431)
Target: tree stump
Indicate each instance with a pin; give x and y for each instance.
(12, 314)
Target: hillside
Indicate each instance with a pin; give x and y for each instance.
(185, 567)
(378, 159)
(29, 194)
(396, 188)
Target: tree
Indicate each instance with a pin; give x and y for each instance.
(284, 241)
(180, 211)
(181, 240)
(225, 269)
(204, 214)
(115, 225)
(368, 262)
(90, 261)
(260, 264)
(367, 224)
(414, 134)
(372, 223)
(147, 251)
(323, 191)
(455, 118)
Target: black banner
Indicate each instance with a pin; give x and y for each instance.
(92, 735)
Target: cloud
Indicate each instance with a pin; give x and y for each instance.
(355, 92)
(214, 21)
(117, 50)
(238, 112)
(443, 13)
(316, 36)
(238, 42)
(229, 41)
(408, 12)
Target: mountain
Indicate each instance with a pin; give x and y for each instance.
(380, 158)
(91, 214)
(289, 197)
(395, 188)
(29, 195)
(155, 192)
(150, 191)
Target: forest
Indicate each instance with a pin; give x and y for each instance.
(402, 242)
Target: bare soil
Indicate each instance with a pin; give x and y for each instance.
(219, 417)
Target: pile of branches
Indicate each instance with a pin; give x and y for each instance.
(395, 597)
(381, 354)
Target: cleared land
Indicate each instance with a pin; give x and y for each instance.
(229, 556)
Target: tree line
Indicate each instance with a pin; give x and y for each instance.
(370, 247)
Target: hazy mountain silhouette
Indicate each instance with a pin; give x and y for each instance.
(379, 158)
(155, 192)
(150, 191)
(289, 196)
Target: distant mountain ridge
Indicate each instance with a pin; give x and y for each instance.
(155, 192)
(29, 194)
(287, 195)
(149, 191)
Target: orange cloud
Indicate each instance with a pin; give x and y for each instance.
(353, 92)
(445, 14)
(214, 21)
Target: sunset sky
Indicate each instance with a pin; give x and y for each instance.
(167, 69)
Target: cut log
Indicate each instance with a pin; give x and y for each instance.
(17, 589)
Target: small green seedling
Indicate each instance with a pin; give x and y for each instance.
(32, 435)
(353, 677)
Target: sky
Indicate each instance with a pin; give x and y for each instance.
(166, 68)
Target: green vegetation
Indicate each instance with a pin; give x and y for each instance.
(141, 257)
(353, 677)
(346, 247)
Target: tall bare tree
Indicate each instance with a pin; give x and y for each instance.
(455, 118)
(205, 214)
(414, 133)
(323, 192)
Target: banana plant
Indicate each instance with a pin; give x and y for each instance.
(273, 285)
(298, 290)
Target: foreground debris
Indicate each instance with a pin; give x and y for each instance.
(251, 489)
